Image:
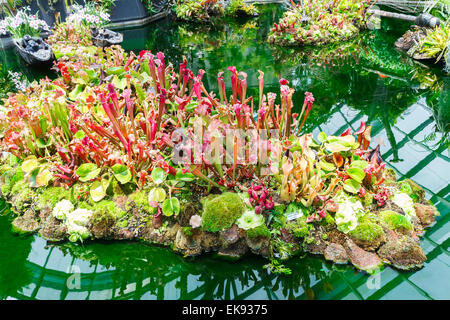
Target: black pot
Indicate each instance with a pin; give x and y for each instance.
(128, 10)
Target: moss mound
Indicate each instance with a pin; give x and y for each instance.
(261, 231)
(220, 212)
(367, 231)
(393, 220)
(52, 195)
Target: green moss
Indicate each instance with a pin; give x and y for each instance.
(261, 231)
(140, 199)
(187, 231)
(104, 208)
(367, 231)
(52, 195)
(221, 212)
(114, 188)
(22, 195)
(394, 220)
(12, 177)
(412, 189)
(367, 200)
(122, 224)
(299, 228)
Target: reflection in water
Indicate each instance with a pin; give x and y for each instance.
(406, 103)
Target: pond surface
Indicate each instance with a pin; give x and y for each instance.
(365, 80)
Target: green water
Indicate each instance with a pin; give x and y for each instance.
(410, 119)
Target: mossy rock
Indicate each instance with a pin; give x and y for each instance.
(395, 221)
(25, 224)
(300, 229)
(415, 192)
(140, 199)
(261, 231)
(368, 235)
(52, 195)
(403, 253)
(220, 212)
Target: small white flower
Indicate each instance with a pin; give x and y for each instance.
(61, 209)
(195, 221)
(79, 216)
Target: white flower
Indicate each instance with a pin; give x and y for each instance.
(348, 212)
(405, 202)
(250, 220)
(62, 208)
(79, 217)
(76, 222)
(77, 232)
(195, 221)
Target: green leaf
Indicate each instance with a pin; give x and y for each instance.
(187, 177)
(158, 176)
(356, 174)
(140, 92)
(327, 166)
(40, 143)
(171, 207)
(122, 173)
(29, 165)
(119, 83)
(97, 191)
(115, 70)
(43, 124)
(88, 171)
(336, 147)
(351, 186)
(157, 195)
(43, 178)
(359, 164)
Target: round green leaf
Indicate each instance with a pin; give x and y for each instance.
(356, 174)
(87, 172)
(122, 173)
(351, 186)
(97, 191)
(359, 164)
(157, 195)
(171, 207)
(43, 178)
(29, 165)
(187, 177)
(158, 175)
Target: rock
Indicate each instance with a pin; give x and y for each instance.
(53, 229)
(259, 245)
(368, 235)
(425, 213)
(318, 244)
(230, 236)
(402, 252)
(361, 259)
(336, 253)
(186, 244)
(335, 236)
(234, 251)
(26, 223)
(121, 202)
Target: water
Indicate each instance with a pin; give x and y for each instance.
(410, 118)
